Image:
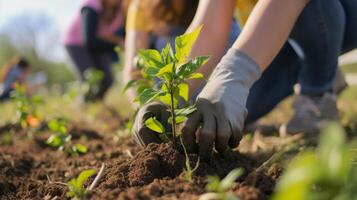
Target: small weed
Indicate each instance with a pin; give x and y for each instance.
(76, 185)
(93, 78)
(218, 188)
(62, 140)
(26, 107)
(329, 173)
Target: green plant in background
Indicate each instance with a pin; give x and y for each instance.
(93, 79)
(218, 189)
(76, 185)
(329, 173)
(144, 82)
(61, 139)
(26, 107)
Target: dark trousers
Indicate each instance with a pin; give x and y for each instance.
(84, 59)
(324, 30)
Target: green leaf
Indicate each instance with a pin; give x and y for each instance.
(128, 85)
(54, 141)
(151, 58)
(80, 148)
(53, 125)
(163, 137)
(191, 66)
(72, 186)
(184, 91)
(149, 94)
(213, 183)
(167, 70)
(333, 154)
(84, 175)
(184, 43)
(167, 54)
(166, 99)
(179, 119)
(154, 125)
(152, 71)
(229, 180)
(186, 111)
(298, 178)
(196, 76)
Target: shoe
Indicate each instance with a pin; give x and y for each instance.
(311, 114)
(339, 83)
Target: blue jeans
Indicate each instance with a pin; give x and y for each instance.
(324, 30)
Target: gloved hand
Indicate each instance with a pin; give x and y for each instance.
(221, 109)
(143, 135)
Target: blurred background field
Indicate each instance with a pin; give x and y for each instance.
(35, 28)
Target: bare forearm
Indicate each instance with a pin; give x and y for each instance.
(135, 40)
(268, 28)
(216, 18)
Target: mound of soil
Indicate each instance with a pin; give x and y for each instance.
(31, 170)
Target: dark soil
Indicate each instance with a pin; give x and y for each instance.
(29, 169)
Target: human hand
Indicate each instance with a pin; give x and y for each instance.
(143, 135)
(221, 109)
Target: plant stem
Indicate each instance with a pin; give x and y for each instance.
(173, 115)
(172, 107)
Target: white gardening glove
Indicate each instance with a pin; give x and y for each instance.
(221, 106)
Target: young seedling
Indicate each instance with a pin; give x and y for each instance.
(76, 185)
(93, 78)
(328, 173)
(26, 107)
(189, 170)
(62, 140)
(218, 188)
(173, 70)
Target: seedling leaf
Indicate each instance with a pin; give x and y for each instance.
(128, 85)
(75, 185)
(229, 180)
(167, 70)
(191, 66)
(154, 125)
(149, 94)
(167, 54)
(184, 91)
(196, 76)
(151, 58)
(184, 43)
(81, 148)
(83, 176)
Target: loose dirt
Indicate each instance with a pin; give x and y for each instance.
(29, 169)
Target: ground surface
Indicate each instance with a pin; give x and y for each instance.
(29, 169)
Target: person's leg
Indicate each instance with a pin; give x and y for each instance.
(81, 58)
(319, 31)
(103, 63)
(6, 94)
(276, 83)
(350, 36)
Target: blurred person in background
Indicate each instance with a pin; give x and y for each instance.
(92, 37)
(261, 69)
(14, 72)
(153, 23)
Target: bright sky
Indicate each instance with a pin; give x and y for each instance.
(61, 10)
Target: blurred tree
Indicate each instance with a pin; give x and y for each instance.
(35, 36)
